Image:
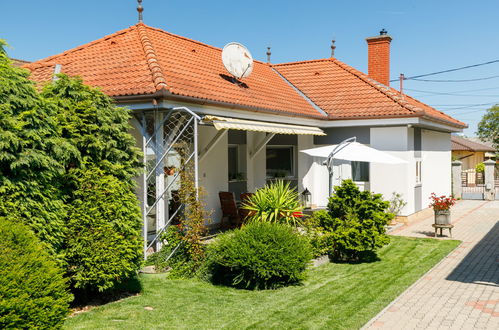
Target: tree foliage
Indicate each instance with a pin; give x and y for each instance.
(90, 121)
(49, 141)
(104, 245)
(32, 156)
(488, 127)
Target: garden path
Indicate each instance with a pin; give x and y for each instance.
(462, 291)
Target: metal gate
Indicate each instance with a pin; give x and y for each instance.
(169, 145)
(473, 184)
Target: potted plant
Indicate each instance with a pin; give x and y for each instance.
(441, 206)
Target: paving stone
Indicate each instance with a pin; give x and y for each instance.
(462, 291)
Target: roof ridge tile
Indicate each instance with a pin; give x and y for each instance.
(151, 58)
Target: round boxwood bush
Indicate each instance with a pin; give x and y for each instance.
(260, 255)
(33, 292)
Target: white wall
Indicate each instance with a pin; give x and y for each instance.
(256, 165)
(436, 164)
(213, 170)
(400, 178)
(305, 163)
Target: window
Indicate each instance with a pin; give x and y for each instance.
(360, 171)
(280, 161)
(418, 172)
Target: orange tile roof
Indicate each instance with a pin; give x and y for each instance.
(144, 60)
(346, 93)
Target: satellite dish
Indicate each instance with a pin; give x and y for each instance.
(237, 60)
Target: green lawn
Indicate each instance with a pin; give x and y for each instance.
(335, 296)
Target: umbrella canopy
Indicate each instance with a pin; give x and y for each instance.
(354, 151)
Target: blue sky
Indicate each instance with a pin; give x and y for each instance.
(428, 36)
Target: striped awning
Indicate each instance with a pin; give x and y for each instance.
(221, 123)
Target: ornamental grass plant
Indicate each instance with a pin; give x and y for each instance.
(277, 202)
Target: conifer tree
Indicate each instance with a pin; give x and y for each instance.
(32, 155)
(91, 122)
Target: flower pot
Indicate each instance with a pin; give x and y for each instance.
(442, 217)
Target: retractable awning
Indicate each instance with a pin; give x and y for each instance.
(224, 123)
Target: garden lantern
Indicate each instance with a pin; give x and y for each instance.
(306, 199)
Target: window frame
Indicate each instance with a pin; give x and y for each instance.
(294, 164)
(419, 172)
(368, 171)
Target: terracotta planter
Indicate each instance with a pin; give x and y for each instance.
(442, 217)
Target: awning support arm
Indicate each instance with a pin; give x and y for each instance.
(261, 145)
(220, 134)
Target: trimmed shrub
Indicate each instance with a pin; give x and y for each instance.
(33, 292)
(354, 227)
(104, 244)
(259, 256)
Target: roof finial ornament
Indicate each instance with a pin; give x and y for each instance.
(333, 47)
(268, 54)
(140, 9)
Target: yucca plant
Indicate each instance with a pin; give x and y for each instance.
(276, 202)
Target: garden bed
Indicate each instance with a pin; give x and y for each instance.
(336, 296)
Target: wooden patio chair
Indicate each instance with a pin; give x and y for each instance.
(229, 209)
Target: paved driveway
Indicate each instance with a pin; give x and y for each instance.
(462, 291)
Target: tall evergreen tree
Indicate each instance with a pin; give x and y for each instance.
(32, 155)
(91, 122)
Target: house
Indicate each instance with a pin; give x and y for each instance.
(240, 134)
(470, 152)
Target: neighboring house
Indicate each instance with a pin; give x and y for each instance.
(253, 129)
(471, 152)
(18, 62)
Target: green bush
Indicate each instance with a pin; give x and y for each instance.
(276, 202)
(480, 168)
(354, 227)
(33, 292)
(259, 256)
(104, 244)
(314, 232)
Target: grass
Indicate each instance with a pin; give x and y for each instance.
(335, 296)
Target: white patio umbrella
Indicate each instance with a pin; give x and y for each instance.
(351, 150)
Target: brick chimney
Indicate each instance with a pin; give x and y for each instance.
(378, 57)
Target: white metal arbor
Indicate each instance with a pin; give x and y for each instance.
(169, 145)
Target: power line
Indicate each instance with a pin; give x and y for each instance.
(453, 80)
(464, 106)
(452, 93)
(449, 70)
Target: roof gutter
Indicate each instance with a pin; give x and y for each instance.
(165, 94)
